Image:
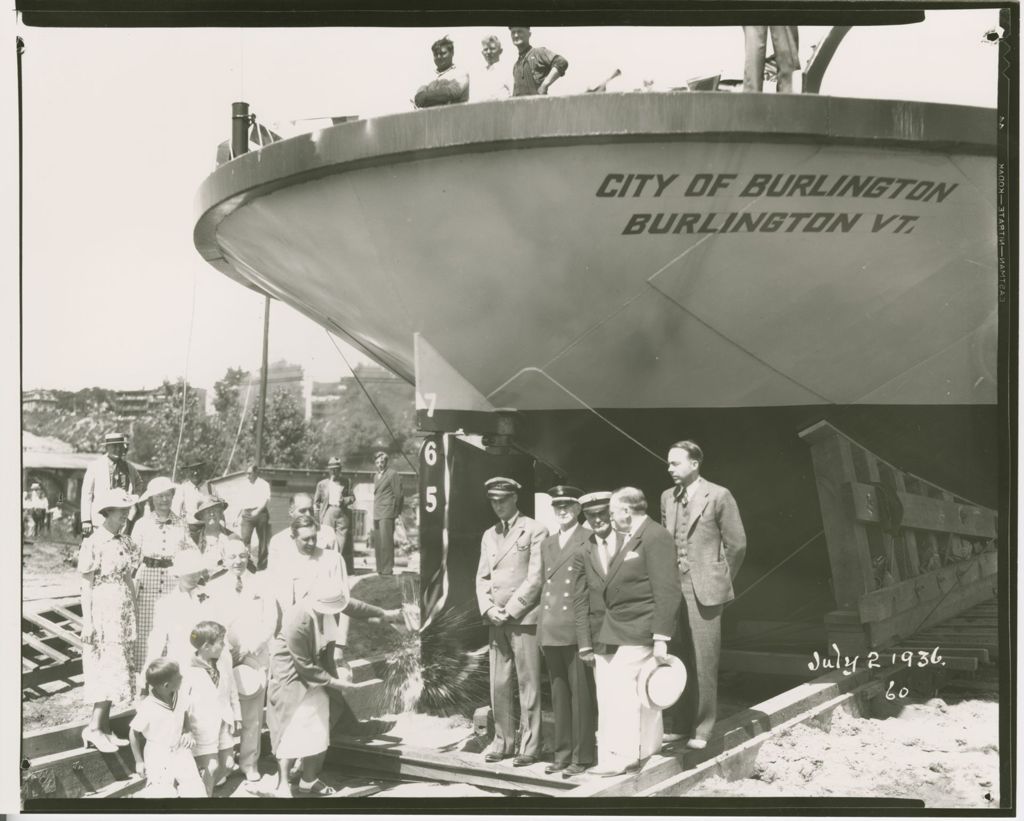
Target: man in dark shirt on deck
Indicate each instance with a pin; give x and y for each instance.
(537, 68)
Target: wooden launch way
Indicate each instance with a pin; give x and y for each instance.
(914, 569)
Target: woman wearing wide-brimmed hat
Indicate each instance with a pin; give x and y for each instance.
(159, 535)
(206, 524)
(302, 670)
(106, 561)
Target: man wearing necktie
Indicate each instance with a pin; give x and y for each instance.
(710, 542)
(572, 682)
(635, 578)
(508, 582)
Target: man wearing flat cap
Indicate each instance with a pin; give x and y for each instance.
(572, 682)
(508, 582)
(387, 506)
(108, 472)
(331, 504)
(451, 85)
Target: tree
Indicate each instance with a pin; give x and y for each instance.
(227, 390)
(286, 435)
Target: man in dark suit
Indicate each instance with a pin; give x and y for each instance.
(572, 682)
(331, 507)
(508, 582)
(710, 544)
(387, 505)
(641, 600)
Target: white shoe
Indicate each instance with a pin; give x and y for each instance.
(697, 743)
(668, 738)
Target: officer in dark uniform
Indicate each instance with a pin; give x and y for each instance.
(572, 681)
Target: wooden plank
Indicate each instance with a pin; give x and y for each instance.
(956, 599)
(733, 732)
(77, 773)
(56, 630)
(395, 759)
(909, 535)
(51, 672)
(42, 647)
(73, 618)
(922, 513)
(891, 601)
(54, 740)
(778, 664)
(848, 550)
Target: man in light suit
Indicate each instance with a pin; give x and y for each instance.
(572, 682)
(387, 506)
(331, 504)
(710, 544)
(108, 472)
(508, 583)
(641, 599)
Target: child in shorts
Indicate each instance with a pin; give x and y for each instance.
(214, 711)
(160, 738)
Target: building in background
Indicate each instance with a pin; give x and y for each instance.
(324, 396)
(38, 400)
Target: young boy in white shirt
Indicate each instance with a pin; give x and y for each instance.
(160, 738)
(214, 712)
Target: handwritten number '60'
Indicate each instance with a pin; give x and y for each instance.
(891, 696)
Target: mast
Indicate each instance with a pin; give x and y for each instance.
(240, 122)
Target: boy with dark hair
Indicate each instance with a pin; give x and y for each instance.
(161, 739)
(214, 711)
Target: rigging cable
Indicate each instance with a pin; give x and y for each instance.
(184, 380)
(241, 421)
(367, 393)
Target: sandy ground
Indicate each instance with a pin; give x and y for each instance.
(943, 754)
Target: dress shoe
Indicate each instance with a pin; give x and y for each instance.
(524, 760)
(96, 739)
(554, 768)
(492, 758)
(574, 769)
(697, 743)
(117, 740)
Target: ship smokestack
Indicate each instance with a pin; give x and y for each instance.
(239, 129)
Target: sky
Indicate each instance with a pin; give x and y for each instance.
(121, 127)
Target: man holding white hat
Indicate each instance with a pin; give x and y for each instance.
(508, 582)
(641, 598)
(105, 473)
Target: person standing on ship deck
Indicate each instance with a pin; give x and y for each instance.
(450, 85)
(490, 83)
(508, 582)
(537, 67)
(387, 506)
(332, 508)
(710, 542)
(572, 682)
(785, 41)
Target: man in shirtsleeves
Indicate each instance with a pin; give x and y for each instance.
(537, 67)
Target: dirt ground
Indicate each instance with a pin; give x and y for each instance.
(945, 754)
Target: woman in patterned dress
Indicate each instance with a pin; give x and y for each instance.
(159, 535)
(106, 562)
